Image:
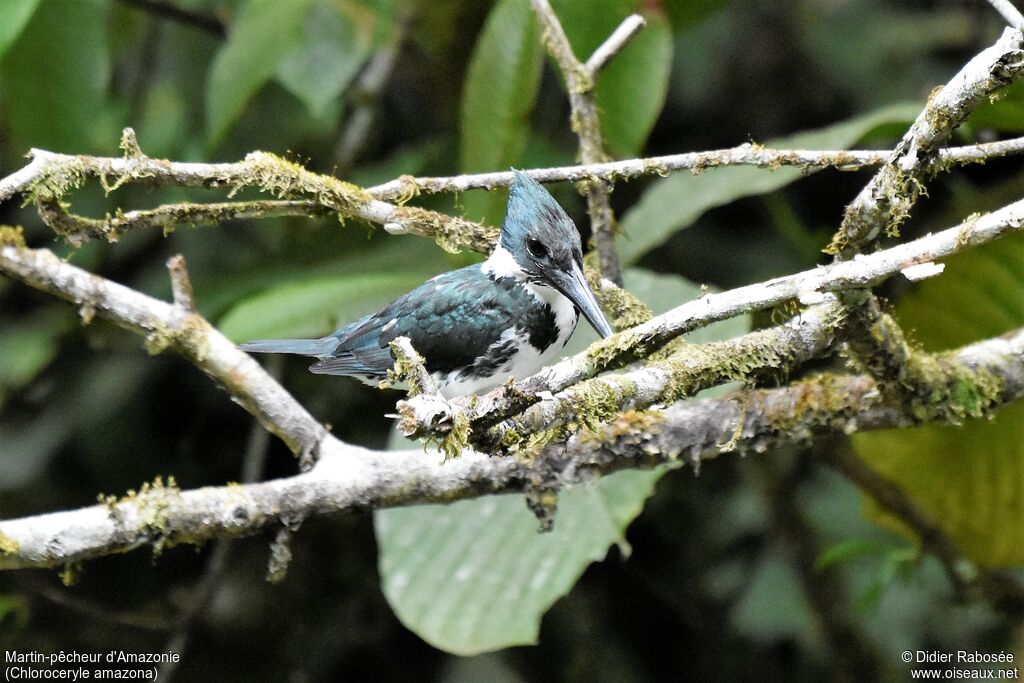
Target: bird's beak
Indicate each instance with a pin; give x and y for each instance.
(573, 284)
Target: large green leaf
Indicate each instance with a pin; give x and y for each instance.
(631, 90)
(14, 15)
(261, 36)
(673, 203)
(969, 479)
(337, 37)
(55, 80)
(499, 94)
(476, 575)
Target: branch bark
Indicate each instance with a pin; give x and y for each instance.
(747, 154)
(351, 479)
(164, 326)
(886, 201)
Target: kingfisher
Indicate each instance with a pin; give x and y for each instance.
(476, 326)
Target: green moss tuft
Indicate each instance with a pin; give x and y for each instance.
(12, 237)
(8, 546)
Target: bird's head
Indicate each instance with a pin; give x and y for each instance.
(545, 245)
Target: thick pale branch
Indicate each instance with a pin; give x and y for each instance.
(349, 479)
(166, 325)
(640, 341)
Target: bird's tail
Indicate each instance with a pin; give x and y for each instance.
(303, 347)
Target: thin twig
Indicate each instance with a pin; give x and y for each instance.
(49, 176)
(1012, 15)
(80, 229)
(579, 82)
(181, 284)
(746, 154)
(629, 27)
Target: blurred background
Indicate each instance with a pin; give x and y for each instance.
(764, 566)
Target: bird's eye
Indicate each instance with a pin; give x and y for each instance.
(537, 248)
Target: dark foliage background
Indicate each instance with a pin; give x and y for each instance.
(720, 582)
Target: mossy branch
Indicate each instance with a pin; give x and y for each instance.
(351, 479)
(885, 202)
(641, 341)
(49, 179)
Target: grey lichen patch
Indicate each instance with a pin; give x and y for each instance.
(654, 167)
(452, 234)
(192, 336)
(12, 237)
(8, 546)
(963, 235)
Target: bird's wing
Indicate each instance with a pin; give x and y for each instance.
(451, 320)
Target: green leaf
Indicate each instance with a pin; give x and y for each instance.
(314, 306)
(476, 575)
(28, 346)
(631, 89)
(848, 550)
(336, 41)
(673, 203)
(55, 80)
(14, 15)
(1004, 114)
(262, 35)
(498, 97)
(966, 478)
(588, 24)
